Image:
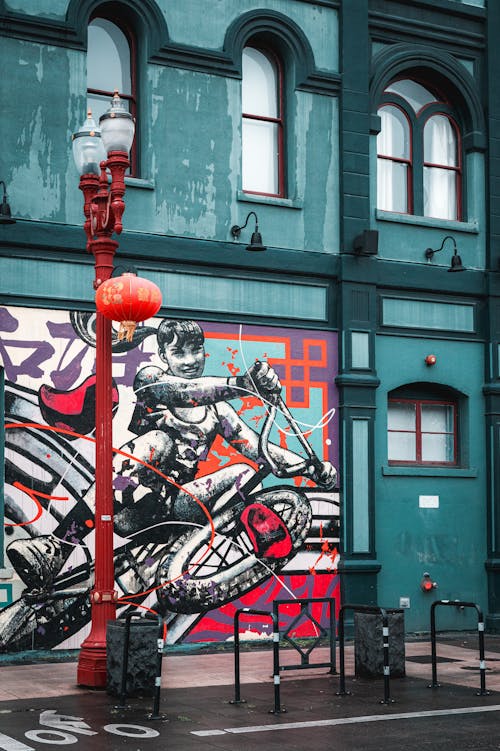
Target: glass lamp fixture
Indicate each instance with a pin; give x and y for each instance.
(117, 127)
(88, 149)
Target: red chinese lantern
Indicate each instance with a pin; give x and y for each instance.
(128, 299)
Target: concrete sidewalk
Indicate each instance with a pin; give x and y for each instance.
(458, 664)
(41, 704)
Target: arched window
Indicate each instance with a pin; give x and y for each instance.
(419, 162)
(262, 123)
(110, 66)
(422, 425)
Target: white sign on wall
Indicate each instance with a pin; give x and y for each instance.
(428, 501)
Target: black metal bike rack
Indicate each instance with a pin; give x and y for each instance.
(304, 603)
(237, 683)
(155, 713)
(374, 610)
(304, 654)
(480, 628)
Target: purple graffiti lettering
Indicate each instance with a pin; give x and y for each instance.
(61, 330)
(7, 321)
(64, 378)
(42, 351)
(131, 362)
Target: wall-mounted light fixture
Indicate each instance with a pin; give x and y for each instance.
(5, 215)
(256, 239)
(456, 261)
(366, 244)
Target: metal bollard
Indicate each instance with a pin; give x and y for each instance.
(480, 627)
(162, 633)
(376, 610)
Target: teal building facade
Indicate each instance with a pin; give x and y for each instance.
(362, 134)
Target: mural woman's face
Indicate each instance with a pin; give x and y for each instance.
(186, 360)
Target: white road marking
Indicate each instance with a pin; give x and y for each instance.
(348, 720)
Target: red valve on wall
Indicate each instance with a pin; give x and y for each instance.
(427, 585)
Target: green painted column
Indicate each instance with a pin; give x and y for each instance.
(492, 385)
(357, 382)
(355, 122)
(357, 379)
(492, 407)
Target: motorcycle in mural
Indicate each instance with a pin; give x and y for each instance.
(187, 540)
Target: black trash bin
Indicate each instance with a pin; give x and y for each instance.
(142, 665)
(368, 644)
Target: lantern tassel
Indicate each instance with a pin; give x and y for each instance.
(126, 330)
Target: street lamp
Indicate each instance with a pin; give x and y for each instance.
(99, 154)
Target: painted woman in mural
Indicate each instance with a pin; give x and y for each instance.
(178, 415)
(170, 514)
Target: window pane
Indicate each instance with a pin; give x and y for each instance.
(437, 448)
(259, 89)
(259, 157)
(401, 417)
(440, 193)
(401, 447)
(394, 137)
(440, 142)
(437, 418)
(360, 349)
(392, 182)
(108, 57)
(415, 94)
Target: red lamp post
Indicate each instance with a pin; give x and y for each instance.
(103, 209)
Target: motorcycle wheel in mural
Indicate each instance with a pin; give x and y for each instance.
(196, 527)
(211, 566)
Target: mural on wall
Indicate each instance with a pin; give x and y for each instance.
(225, 482)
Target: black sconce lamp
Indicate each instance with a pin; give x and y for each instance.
(5, 215)
(256, 239)
(366, 244)
(456, 261)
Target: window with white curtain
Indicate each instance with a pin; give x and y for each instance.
(441, 168)
(110, 66)
(419, 168)
(422, 431)
(262, 123)
(394, 162)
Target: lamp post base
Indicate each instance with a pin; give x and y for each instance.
(92, 663)
(92, 671)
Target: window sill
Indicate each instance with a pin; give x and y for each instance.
(138, 182)
(427, 221)
(400, 471)
(289, 203)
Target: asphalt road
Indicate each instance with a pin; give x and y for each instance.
(442, 719)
